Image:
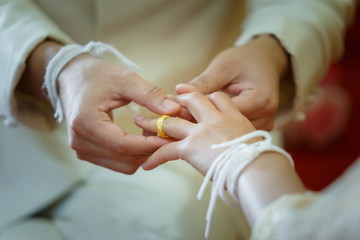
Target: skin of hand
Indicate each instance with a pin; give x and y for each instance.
(250, 74)
(90, 89)
(218, 120)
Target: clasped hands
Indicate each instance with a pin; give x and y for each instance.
(248, 77)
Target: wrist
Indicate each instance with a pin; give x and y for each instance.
(277, 56)
(64, 57)
(32, 78)
(79, 62)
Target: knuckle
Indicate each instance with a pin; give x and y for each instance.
(128, 74)
(215, 119)
(74, 144)
(81, 156)
(130, 170)
(152, 91)
(119, 148)
(217, 95)
(77, 133)
(128, 164)
(271, 105)
(267, 106)
(183, 148)
(202, 83)
(195, 95)
(77, 125)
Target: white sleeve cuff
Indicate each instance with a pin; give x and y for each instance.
(22, 27)
(69, 52)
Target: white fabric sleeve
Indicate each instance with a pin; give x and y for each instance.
(311, 32)
(331, 214)
(22, 27)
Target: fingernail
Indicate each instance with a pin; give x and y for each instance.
(187, 85)
(171, 96)
(139, 118)
(170, 105)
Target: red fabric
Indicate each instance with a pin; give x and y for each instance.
(318, 167)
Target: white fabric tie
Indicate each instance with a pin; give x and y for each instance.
(228, 166)
(65, 55)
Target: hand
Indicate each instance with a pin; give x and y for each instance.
(90, 89)
(250, 74)
(218, 120)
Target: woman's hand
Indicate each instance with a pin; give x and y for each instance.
(218, 120)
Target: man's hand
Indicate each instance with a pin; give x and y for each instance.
(250, 74)
(90, 89)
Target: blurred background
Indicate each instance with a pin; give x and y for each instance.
(328, 141)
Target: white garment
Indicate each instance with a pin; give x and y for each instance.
(331, 214)
(36, 228)
(172, 41)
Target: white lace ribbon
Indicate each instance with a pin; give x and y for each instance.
(65, 55)
(228, 166)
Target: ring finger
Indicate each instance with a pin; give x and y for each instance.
(174, 127)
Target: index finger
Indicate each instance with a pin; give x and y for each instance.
(147, 94)
(199, 106)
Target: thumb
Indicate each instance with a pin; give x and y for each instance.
(217, 75)
(205, 83)
(151, 97)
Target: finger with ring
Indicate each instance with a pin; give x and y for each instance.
(159, 126)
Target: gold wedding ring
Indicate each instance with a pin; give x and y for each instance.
(159, 126)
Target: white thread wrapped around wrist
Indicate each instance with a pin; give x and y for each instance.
(228, 166)
(65, 55)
